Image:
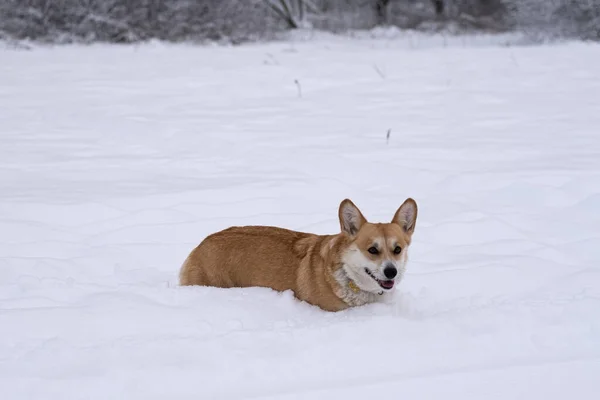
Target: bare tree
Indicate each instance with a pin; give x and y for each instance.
(382, 11)
(292, 12)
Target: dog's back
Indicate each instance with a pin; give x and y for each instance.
(245, 256)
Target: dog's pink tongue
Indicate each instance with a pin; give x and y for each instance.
(387, 284)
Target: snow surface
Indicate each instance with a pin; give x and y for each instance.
(117, 160)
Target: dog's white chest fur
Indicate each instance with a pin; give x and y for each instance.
(355, 297)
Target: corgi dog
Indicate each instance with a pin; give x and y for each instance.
(361, 264)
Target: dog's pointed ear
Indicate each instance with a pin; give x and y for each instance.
(406, 216)
(351, 219)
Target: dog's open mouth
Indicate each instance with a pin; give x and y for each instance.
(385, 284)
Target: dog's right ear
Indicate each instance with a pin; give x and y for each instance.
(351, 219)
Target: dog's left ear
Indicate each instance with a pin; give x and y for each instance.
(351, 219)
(406, 216)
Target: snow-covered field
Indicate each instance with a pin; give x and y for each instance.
(116, 161)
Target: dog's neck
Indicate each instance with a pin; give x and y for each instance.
(350, 293)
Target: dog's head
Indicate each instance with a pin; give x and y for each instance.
(376, 256)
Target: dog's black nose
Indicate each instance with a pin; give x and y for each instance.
(390, 272)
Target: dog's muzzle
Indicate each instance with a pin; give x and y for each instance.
(386, 284)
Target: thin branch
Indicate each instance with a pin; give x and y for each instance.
(312, 7)
(379, 72)
(282, 14)
(288, 12)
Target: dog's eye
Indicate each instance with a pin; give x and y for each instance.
(397, 250)
(373, 250)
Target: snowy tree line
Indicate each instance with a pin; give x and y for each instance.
(240, 20)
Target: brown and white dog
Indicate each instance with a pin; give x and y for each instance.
(361, 264)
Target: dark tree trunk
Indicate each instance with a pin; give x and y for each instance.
(439, 7)
(381, 10)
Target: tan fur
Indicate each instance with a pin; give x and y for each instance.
(307, 264)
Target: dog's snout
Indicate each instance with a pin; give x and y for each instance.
(390, 271)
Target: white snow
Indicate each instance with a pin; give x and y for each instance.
(115, 161)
